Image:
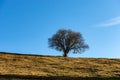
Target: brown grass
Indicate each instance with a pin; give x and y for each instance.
(13, 64)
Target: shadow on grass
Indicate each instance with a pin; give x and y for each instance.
(29, 77)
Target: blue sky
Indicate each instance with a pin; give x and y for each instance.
(26, 25)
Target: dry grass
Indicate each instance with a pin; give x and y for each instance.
(58, 66)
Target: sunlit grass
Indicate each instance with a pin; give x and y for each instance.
(58, 66)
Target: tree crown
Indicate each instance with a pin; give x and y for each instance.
(67, 40)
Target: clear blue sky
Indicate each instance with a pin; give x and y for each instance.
(26, 25)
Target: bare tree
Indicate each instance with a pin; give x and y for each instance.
(66, 41)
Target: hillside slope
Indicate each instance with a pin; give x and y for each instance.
(58, 66)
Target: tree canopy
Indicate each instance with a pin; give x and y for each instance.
(66, 41)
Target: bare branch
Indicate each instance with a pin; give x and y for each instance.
(66, 41)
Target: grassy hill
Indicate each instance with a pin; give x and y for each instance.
(18, 66)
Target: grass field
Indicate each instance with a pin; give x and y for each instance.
(34, 67)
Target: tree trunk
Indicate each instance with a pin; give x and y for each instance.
(65, 54)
